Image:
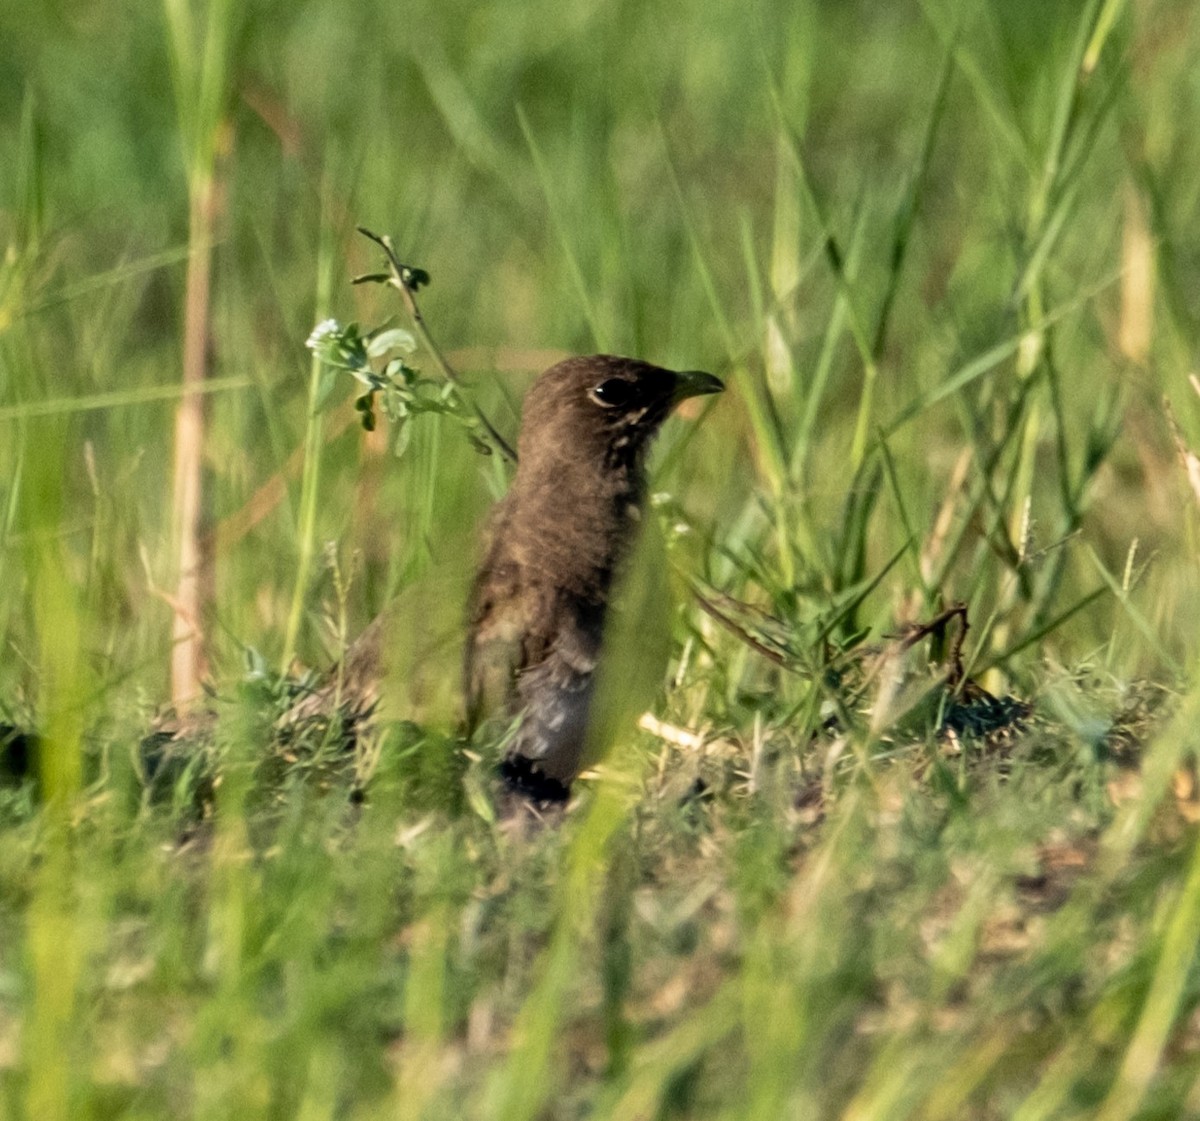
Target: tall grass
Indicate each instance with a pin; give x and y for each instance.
(942, 255)
(200, 71)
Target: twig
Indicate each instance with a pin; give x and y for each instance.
(714, 612)
(937, 626)
(406, 280)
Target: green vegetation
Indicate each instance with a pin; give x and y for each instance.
(944, 255)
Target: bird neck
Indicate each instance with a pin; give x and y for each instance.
(576, 523)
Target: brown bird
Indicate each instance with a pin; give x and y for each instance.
(558, 538)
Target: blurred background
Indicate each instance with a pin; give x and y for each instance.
(840, 208)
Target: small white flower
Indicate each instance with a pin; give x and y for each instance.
(321, 332)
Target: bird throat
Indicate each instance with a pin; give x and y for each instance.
(580, 543)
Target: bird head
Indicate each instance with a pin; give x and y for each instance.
(602, 409)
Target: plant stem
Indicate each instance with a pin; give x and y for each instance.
(187, 653)
(313, 444)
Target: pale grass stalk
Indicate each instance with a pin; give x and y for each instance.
(200, 72)
(1189, 459)
(1136, 327)
(187, 653)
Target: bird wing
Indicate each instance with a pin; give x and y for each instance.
(495, 637)
(555, 696)
(532, 652)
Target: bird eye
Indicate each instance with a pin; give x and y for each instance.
(612, 393)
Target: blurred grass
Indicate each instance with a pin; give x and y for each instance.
(944, 255)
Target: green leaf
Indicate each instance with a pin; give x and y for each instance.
(399, 370)
(413, 277)
(396, 338)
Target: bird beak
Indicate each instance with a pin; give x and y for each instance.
(694, 383)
